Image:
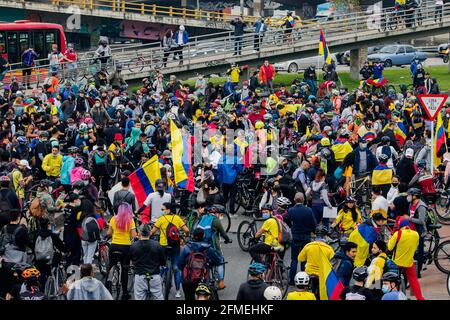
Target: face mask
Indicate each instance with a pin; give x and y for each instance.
(97, 105)
(368, 126)
(409, 198)
(266, 216)
(395, 185)
(245, 87)
(386, 288)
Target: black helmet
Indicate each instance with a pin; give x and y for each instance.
(383, 157)
(391, 277)
(360, 273)
(350, 199)
(267, 206)
(385, 139)
(326, 153)
(45, 183)
(414, 192)
(79, 184)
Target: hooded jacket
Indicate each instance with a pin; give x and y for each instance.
(88, 288)
(345, 269)
(66, 169)
(252, 290)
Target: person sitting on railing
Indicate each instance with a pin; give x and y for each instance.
(55, 57)
(289, 22)
(71, 61)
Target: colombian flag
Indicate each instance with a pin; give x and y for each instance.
(143, 179)
(369, 136)
(181, 156)
(329, 283)
(439, 138)
(377, 82)
(364, 235)
(400, 132)
(382, 174)
(323, 48)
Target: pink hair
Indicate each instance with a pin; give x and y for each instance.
(124, 217)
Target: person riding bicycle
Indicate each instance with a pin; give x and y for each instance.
(357, 291)
(270, 230)
(122, 229)
(348, 217)
(31, 286)
(202, 292)
(209, 221)
(391, 287)
(169, 226)
(424, 181)
(283, 205)
(254, 287)
(202, 251)
(155, 200)
(314, 253)
(302, 288)
(148, 258)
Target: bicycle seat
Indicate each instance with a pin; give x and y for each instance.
(434, 226)
(116, 253)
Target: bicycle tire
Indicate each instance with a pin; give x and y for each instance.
(442, 254)
(365, 208)
(60, 280)
(103, 260)
(168, 283)
(116, 285)
(136, 65)
(237, 202)
(112, 167)
(448, 284)
(226, 221)
(245, 232)
(442, 209)
(49, 289)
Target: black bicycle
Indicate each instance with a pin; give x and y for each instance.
(246, 232)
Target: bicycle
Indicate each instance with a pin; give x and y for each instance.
(448, 284)
(103, 256)
(166, 278)
(138, 63)
(55, 281)
(114, 283)
(246, 232)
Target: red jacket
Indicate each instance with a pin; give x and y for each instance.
(266, 73)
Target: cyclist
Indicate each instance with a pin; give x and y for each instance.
(201, 251)
(405, 242)
(302, 284)
(348, 217)
(357, 291)
(213, 229)
(254, 287)
(9, 199)
(391, 283)
(424, 180)
(273, 293)
(202, 292)
(30, 290)
(14, 239)
(344, 267)
(169, 225)
(88, 287)
(379, 203)
(270, 231)
(380, 264)
(147, 257)
(283, 204)
(155, 200)
(313, 254)
(122, 229)
(388, 150)
(52, 163)
(98, 159)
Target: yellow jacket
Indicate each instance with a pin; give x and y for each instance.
(341, 150)
(52, 165)
(234, 74)
(406, 247)
(313, 253)
(375, 269)
(345, 220)
(17, 179)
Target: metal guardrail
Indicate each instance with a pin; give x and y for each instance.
(213, 50)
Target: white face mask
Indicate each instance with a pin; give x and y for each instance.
(409, 198)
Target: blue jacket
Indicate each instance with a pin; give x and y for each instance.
(302, 221)
(258, 25)
(228, 169)
(378, 71)
(185, 37)
(345, 269)
(214, 258)
(67, 166)
(64, 92)
(372, 161)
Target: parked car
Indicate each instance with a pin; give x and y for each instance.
(442, 48)
(397, 55)
(344, 57)
(294, 66)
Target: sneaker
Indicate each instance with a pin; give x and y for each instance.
(178, 294)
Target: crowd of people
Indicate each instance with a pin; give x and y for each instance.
(63, 151)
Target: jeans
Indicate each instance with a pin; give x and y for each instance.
(88, 251)
(238, 45)
(141, 287)
(317, 209)
(178, 51)
(257, 41)
(296, 248)
(174, 254)
(268, 86)
(18, 110)
(221, 270)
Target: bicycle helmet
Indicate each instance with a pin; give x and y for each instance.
(256, 268)
(383, 158)
(269, 183)
(73, 150)
(283, 202)
(79, 185)
(45, 183)
(301, 279)
(273, 293)
(391, 277)
(325, 142)
(360, 273)
(85, 175)
(267, 206)
(350, 199)
(259, 125)
(31, 274)
(203, 289)
(326, 153)
(385, 139)
(22, 140)
(267, 117)
(79, 162)
(217, 208)
(320, 111)
(414, 192)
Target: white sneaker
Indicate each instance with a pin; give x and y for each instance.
(178, 294)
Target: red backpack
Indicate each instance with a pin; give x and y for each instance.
(196, 269)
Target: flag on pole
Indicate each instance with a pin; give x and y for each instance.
(181, 156)
(439, 138)
(143, 179)
(323, 48)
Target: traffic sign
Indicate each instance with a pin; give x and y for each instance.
(432, 103)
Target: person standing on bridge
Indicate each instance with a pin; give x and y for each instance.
(260, 30)
(181, 39)
(239, 26)
(167, 44)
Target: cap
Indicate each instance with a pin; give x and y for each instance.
(409, 153)
(118, 136)
(25, 163)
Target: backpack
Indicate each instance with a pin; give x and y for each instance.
(338, 173)
(36, 209)
(284, 233)
(90, 230)
(430, 218)
(386, 150)
(390, 266)
(196, 269)
(172, 234)
(206, 224)
(43, 249)
(99, 160)
(5, 205)
(8, 247)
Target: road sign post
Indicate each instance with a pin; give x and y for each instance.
(432, 104)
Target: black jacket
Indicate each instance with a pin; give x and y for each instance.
(147, 256)
(345, 268)
(238, 27)
(405, 170)
(302, 221)
(252, 290)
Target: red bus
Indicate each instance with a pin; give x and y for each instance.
(17, 36)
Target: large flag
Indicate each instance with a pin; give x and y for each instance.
(330, 287)
(143, 179)
(439, 138)
(323, 49)
(181, 156)
(400, 132)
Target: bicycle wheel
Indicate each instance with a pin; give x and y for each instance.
(61, 278)
(245, 232)
(448, 284)
(50, 288)
(112, 167)
(136, 65)
(365, 208)
(116, 286)
(103, 259)
(226, 221)
(442, 257)
(442, 208)
(237, 202)
(168, 282)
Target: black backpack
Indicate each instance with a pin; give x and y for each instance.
(90, 231)
(172, 234)
(387, 151)
(5, 208)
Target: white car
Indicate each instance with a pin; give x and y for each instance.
(442, 48)
(294, 66)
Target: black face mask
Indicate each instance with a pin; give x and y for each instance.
(161, 192)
